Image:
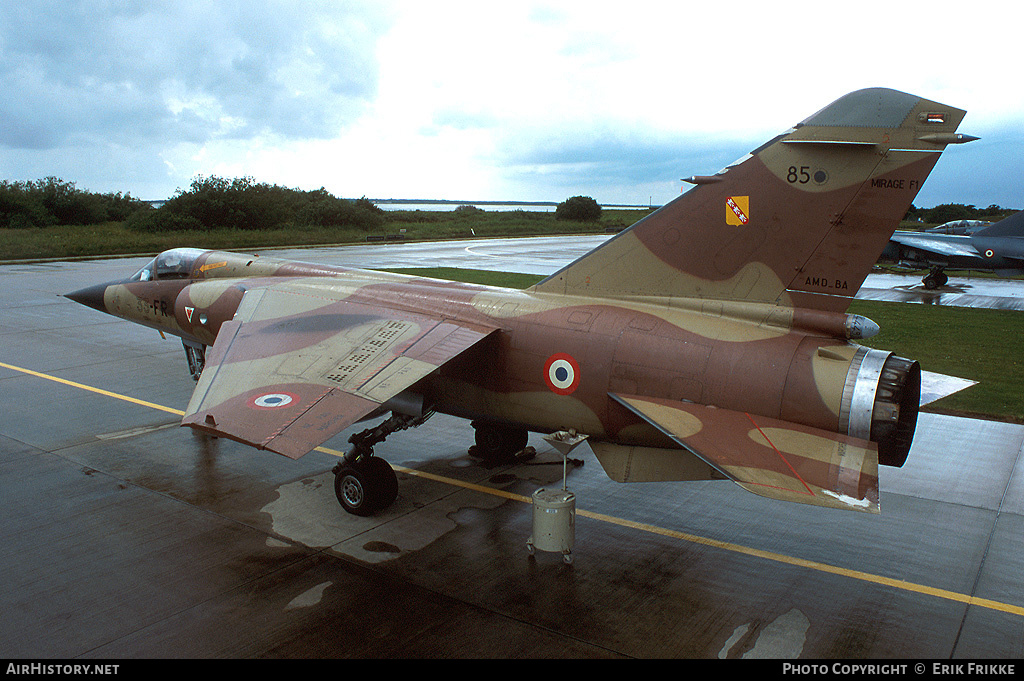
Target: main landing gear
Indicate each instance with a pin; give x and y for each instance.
(935, 279)
(363, 483)
(366, 486)
(497, 444)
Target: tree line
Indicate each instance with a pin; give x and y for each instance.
(950, 212)
(242, 203)
(52, 201)
(209, 203)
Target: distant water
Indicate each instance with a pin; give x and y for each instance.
(445, 205)
(394, 204)
(538, 206)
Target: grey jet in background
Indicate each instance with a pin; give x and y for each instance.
(998, 248)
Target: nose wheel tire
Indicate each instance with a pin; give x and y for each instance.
(365, 487)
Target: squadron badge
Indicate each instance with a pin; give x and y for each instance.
(737, 210)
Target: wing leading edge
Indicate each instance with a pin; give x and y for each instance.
(959, 247)
(770, 457)
(296, 367)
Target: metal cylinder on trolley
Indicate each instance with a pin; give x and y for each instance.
(554, 510)
(554, 522)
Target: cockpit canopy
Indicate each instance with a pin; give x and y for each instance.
(173, 264)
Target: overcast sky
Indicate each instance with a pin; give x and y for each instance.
(531, 101)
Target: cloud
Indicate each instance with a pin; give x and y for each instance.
(983, 173)
(615, 163)
(530, 100)
(170, 72)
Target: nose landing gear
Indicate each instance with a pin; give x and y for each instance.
(196, 356)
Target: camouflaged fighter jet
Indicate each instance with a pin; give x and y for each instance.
(710, 340)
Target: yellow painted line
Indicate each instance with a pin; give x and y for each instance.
(630, 524)
(813, 565)
(91, 389)
(448, 481)
(727, 546)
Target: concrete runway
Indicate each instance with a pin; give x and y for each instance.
(127, 536)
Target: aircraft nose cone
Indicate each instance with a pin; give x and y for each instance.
(91, 296)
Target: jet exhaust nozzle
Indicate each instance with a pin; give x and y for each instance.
(881, 402)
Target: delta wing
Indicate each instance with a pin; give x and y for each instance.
(297, 365)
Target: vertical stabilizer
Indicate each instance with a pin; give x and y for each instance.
(800, 220)
(1008, 226)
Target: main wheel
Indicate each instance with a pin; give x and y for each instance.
(935, 280)
(385, 481)
(499, 443)
(366, 487)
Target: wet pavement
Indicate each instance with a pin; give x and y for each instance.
(544, 255)
(127, 536)
(959, 291)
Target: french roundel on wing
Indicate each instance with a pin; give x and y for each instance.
(273, 400)
(562, 373)
(989, 253)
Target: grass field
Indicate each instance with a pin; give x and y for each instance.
(113, 238)
(978, 344)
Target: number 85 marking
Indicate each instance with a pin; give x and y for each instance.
(803, 176)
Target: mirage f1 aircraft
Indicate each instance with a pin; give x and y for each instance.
(997, 248)
(710, 340)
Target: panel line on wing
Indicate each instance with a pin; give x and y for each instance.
(392, 335)
(280, 431)
(368, 350)
(784, 459)
(212, 364)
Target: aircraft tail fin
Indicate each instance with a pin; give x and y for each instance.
(799, 220)
(1009, 226)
